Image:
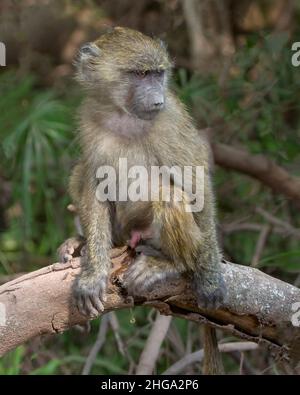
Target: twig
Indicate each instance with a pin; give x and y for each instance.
(260, 245)
(123, 350)
(151, 350)
(197, 356)
(97, 346)
(175, 339)
(189, 338)
(247, 368)
(242, 359)
(289, 229)
(114, 323)
(255, 227)
(238, 227)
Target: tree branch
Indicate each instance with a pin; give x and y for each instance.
(259, 167)
(97, 346)
(197, 356)
(201, 47)
(151, 350)
(258, 306)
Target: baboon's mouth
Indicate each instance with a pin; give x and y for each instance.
(148, 114)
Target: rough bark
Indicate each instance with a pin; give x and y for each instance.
(258, 307)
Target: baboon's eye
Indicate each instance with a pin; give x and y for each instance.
(141, 73)
(159, 73)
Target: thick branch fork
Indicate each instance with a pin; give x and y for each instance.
(258, 306)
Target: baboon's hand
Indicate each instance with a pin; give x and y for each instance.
(210, 288)
(144, 274)
(90, 292)
(70, 248)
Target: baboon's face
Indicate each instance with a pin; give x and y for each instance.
(145, 96)
(126, 70)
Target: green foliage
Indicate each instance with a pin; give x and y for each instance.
(11, 363)
(258, 101)
(36, 133)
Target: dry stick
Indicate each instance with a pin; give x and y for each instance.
(189, 339)
(255, 227)
(151, 350)
(97, 346)
(276, 221)
(242, 359)
(114, 323)
(260, 245)
(189, 345)
(247, 368)
(201, 48)
(259, 167)
(228, 228)
(197, 356)
(123, 350)
(175, 340)
(227, 46)
(258, 307)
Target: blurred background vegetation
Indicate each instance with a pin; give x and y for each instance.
(233, 71)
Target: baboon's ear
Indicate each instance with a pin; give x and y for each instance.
(89, 50)
(162, 43)
(85, 62)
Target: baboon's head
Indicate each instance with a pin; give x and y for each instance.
(126, 69)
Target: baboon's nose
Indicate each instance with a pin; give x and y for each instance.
(158, 104)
